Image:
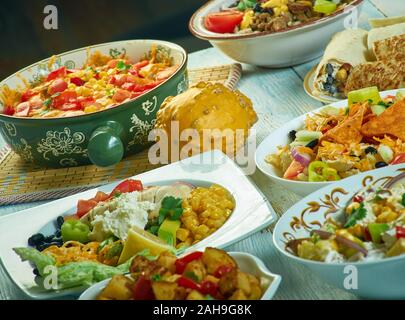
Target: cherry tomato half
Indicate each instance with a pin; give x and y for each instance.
(223, 22)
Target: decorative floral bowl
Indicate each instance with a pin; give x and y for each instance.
(376, 279)
(291, 46)
(103, 137)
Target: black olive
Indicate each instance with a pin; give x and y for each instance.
(332, 89)
(58, 233)
(36, 272)
(370, 150)
(291, 135)
(59, 221)
(329, 80)
(329, 69)
(312, 144)
(381, 164)
(36, 239)
(326, 86)
(49, 238)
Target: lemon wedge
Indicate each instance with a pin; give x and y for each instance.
(138, 240)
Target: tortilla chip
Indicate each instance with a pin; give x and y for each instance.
(348, 131)
(391, 121)
(390, 49)
(385, 74)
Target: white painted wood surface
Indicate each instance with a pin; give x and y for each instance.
(278, 96)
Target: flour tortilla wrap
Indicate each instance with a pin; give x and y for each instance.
(384, 22)
(378, 34)
(385, 74)
(390, 49)
(346, 47)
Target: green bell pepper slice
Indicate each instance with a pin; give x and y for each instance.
(376, 230)
(75, 230)
(319, 171)
(325, 6)
(362, 95)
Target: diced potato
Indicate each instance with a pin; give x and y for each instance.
(167, 260)
(242, 282)
(164, 290)
(195, 295)
(227, 283)
(211, 278)
(196, 268)
(238, 295)
(214, 258)
(255, 288)
(117, 289)
(397, 249)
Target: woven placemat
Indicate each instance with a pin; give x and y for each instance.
(21, 182)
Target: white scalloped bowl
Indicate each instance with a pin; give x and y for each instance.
(246, 262)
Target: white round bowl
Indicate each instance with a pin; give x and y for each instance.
(382, 279)
(279, 137)
(246, 262)
(295, 45)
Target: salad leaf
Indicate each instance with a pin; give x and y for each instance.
(357, 214)
(39, 259)
(122, 66)
(245, 4)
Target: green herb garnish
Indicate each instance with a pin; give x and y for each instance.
(156, 277)
(357, 214)
(403, 200)
(245, 4)
(191, 275)
(47, 102)
(171, 207)
(122, 66)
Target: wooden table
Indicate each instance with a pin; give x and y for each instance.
(278, 96)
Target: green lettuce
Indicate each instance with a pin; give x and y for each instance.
(73, 274)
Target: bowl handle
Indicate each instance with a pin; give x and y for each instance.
(105, 147)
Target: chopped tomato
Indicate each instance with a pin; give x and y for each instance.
(67, 100)
(72, 70)
(85, 101)
(57, 86)
(84, 206)
(58, 73)
(101, 196)
(128, 86)
(27, 95)
(400, 232)
(223, 270)
(118, 79)
(399, 159)
(209, 287)
(23, 109)
(142, 289)
(77, 81)
(8, 111)
(223, 22)
(112, 63)
(293, 170)
(188, 283)
(121, 95)
(128, 185)
(139, 65)
(36, 102)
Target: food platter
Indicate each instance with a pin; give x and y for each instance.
(251, 208)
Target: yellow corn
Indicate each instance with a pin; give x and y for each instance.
(90, 109)
(387, 215)
(247, 20)
(182, 234)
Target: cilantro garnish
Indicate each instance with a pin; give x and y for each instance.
(357, 214)
(403, 200)
(172, 208)
(156, 277)
(122, 66)
(382, 103)
(47, 102)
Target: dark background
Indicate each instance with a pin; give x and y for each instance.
(24, 40)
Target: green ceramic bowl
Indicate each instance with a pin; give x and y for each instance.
(102, 138)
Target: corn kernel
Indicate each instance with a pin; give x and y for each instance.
(90, 109)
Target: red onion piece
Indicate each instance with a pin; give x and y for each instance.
(324, 235)
(302, 158)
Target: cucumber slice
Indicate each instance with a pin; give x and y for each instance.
(325, 6)
(306, 135)
(364, 95)
(330, 111)
(377, 109)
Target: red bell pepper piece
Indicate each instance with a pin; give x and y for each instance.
(77, 81)
(8, 111)
(223, 270)
(58, 73)
(27, 95)
(400, 232)
(143, 289)
(182, 262)
(188, 283)
(209, 287)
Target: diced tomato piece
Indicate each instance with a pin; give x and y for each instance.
(57, 86)
(188, 283)
(72, 70)
(223, 22)
(67, 100)
(112, 63)
(9, 111)
(23, 109)
(77, 81)
(128, 185)
(121, 95)
(58, 73)
(209, 287)
(128, 86)
(293, 170)
(400, 232)
(182, 262)
(399, 159)
(27, 95)
(85, 101)
(84, 206)
(142, 289)
(358, 199)
(139, 65)
(101, 196)
(118, 79)
(36, 102)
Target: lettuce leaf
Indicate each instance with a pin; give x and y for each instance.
(40, 260)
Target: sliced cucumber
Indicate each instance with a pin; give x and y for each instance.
(377, 109)
(330, 111)
(364, 95)
(306, 135)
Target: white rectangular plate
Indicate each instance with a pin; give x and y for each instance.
(252, 213)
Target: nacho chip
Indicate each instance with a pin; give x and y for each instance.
(391, 121)
(348, 131)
